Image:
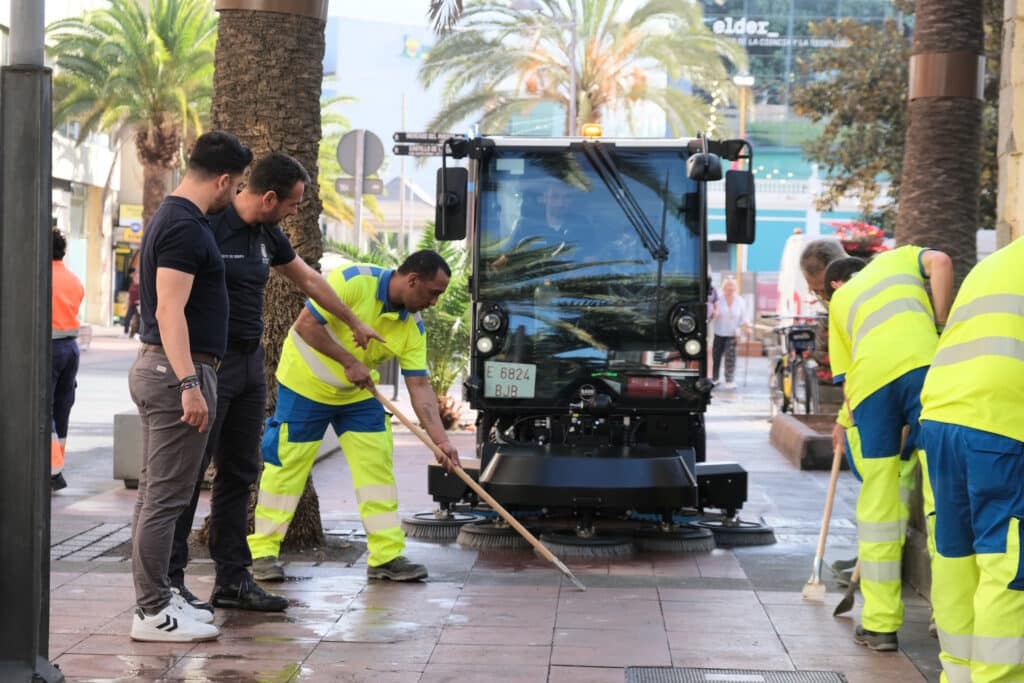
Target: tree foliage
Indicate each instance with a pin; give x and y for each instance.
(506, 58)
(860, 95)
(148, 66)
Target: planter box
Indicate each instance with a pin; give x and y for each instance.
(805, 440)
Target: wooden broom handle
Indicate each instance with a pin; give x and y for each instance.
(461, 473)
(826, 517)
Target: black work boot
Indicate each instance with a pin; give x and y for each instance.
(398, 569)
(875, 640)
(247, 594)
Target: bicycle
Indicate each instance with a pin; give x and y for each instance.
(793, 383)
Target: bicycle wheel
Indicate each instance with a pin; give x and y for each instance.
(776, 389)
(805, 388)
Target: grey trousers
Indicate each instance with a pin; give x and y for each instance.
(172, 452)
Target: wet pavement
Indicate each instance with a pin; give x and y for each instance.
(482, 615)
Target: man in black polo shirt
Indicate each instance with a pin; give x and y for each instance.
(251, 243)
(184, 309)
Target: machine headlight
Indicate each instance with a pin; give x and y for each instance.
(686, 323)
(484, 344)
(491, 322)
(692, 347)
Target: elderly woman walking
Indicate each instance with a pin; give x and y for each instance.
(731, 318)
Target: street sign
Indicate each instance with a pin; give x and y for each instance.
(418, 150)
(347, 186)
(402, 136)
(372, 152)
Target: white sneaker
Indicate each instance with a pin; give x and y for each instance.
(180, 605)
(170, 626)
(730, 386)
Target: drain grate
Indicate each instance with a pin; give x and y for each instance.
(662, 674)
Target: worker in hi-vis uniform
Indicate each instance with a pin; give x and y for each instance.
(882, 337)
(68, 294)
(974, 435)
(325, 379)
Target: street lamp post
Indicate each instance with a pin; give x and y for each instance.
(744, 81)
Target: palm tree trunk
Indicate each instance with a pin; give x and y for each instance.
(153, 189)
(266, 90)
(938, 204)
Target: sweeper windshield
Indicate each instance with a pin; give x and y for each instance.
(584, 254)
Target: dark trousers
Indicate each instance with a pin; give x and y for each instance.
(234, 449)
(65, 374)
(724, 347)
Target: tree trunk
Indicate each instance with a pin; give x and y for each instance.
(153, 190)
(938, 204)
(266, 90)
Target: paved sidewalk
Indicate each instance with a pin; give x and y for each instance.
(483, 616)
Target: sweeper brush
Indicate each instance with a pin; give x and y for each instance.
(675, 538)
(734, 532)
(587, 547)
(436, 525)
(491, 536)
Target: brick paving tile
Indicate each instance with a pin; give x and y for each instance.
(608, 647)
(585, 674)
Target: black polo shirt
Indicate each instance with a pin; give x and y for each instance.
(249, 252)
(179, 237)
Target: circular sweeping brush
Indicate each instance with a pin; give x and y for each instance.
(674, 538)
(436, 525)
(490, 536)
(569, 544)
(730, 533)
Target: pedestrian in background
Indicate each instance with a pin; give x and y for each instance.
(68, 294)
(882, 338)
(713, 298)
(323, 379)
(730, 320)
(173, 382)
(131, 313)
(974, 438)
(251, 243)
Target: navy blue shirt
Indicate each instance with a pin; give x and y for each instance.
(249, 252)
(179, 237)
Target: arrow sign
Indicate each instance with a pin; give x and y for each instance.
(418, 150)
(402, 136)
(347, 186)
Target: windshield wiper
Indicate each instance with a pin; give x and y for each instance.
(603, 163)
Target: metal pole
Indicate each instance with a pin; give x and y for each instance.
(572, 124)
(25, 255)
(357, 191)
(402, 237)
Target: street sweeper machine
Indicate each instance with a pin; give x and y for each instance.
(588, 365)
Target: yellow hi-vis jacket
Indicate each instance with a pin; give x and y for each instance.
(977, 377)
(880, 325)
(364, 288)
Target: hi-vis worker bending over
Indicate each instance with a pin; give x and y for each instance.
(323, 379)
(974, 435)
(882, 337)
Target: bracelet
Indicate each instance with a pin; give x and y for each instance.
(190, 382)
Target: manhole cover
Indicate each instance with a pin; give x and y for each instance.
(661, 674)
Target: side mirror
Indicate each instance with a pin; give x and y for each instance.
(704, 167)
(450, 211)
(739, 207)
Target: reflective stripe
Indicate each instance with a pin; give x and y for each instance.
(278, 501)
(992, 650)
(956, 673)
(63, 442)
(1011, 304)
(1010, 347)
(382, 522)
(884, 314)
(955, 644)
(905, 494)
(377, 493)
(313, 361)
(880, 532)
(877, 288)
(880, 571)
(268, 527)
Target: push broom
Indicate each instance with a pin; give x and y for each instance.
(478, 490)
(814, 589)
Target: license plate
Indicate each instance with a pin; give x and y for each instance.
(509, 380)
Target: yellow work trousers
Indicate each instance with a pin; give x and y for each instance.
(883, 508)
(369, 456)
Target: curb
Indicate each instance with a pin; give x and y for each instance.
(801, 440)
